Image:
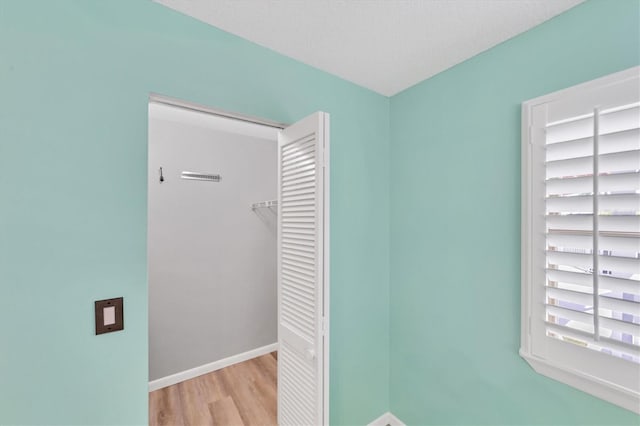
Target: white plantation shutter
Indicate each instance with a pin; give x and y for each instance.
(570, 200)
(581, 237)
(301, 272)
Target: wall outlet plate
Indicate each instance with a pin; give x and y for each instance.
(109, 315)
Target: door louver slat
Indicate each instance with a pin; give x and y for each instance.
(301, 219)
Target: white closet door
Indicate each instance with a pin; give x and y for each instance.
(302, 272)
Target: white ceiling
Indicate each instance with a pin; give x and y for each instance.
(383, 45)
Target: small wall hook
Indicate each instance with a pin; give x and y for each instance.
(161, 176)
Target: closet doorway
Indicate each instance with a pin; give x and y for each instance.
(238, 267)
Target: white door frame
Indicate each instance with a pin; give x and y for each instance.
(162, 99)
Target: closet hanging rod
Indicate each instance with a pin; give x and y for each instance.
(264, 204)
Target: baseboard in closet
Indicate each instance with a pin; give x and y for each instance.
(208, 368)
(387, 419)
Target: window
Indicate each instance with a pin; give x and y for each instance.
(581, 237)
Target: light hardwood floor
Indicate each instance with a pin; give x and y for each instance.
(243, 394)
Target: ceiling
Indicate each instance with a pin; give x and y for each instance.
(383, 45)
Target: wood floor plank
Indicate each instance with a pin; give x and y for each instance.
(269, 367)
(195, 400)
(243, 394)
(264, 383)
(165, 407)
(214, 386)
(246, 395)
(225, 413)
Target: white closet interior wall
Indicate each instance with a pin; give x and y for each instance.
(212, 258)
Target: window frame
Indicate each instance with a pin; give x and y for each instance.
(559, 370)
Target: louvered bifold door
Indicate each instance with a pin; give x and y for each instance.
(593, 230)
(301, 272)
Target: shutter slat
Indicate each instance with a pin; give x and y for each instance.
(621, 310)
(572, 315)
(621, 265)
(620, 287)
(632, 171)
(619, 234)
(611, 347)
(630, 332)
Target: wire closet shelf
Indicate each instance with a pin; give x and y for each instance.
(264, 204)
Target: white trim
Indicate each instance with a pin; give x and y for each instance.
(201, 119)
(325, 323)
(563, 372)
(383, 420)
(394, 421)
(387, 419)
(589, 85)
(326, 270)
(590, 384)
(212, 366)
(161, 99)
(525, 230)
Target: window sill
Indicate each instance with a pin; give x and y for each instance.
(609, 392)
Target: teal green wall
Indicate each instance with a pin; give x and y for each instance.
(74, 83)
(455, 226)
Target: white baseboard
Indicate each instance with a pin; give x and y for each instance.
(387, 419)
(394, 421)
(208, 368)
